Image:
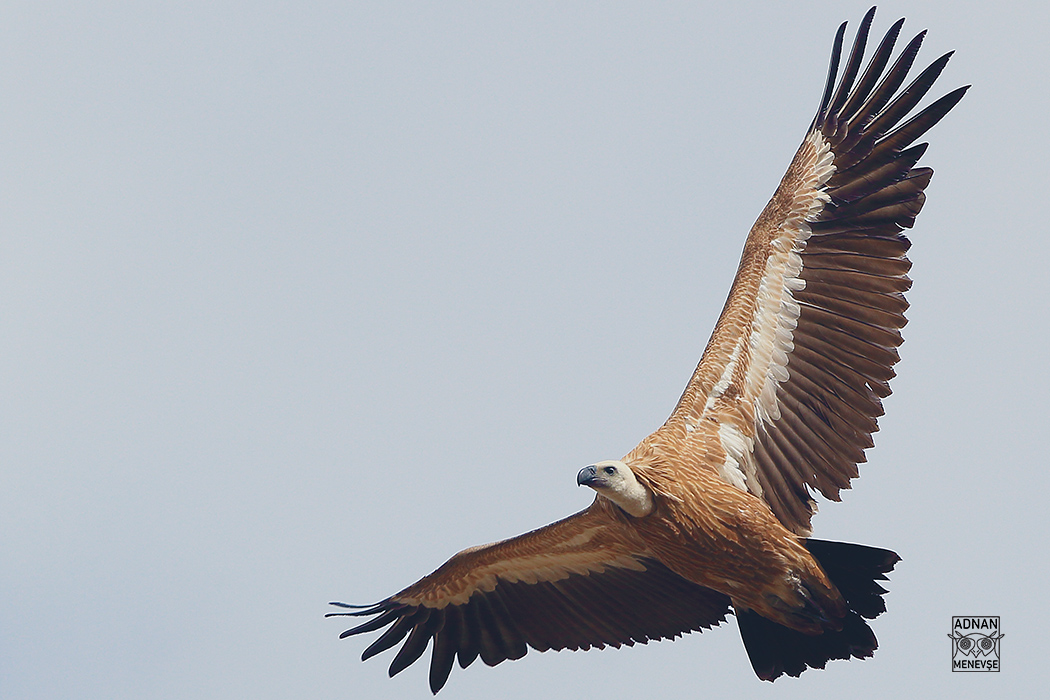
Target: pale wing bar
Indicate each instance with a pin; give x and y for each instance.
(854, 270)
(597, 595)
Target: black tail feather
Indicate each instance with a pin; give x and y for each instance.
(775, 650)
(854, 569)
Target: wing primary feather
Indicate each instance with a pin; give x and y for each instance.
(443, 654)
(902, 213)
(910, 97)
(860, 139)
(871, 74)
(874, 177)
(360, 610)
(370, 626)
(488, 633)
(391, 637)
(469, 635)
(868, 194)
(833, 69)
(424, 629)
(889, 84)
(852, 68)
(906, 134)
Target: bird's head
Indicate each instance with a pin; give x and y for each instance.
(614, 480)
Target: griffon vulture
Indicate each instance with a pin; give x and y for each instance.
(711, 513)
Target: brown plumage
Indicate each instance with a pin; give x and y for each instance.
(711, 513)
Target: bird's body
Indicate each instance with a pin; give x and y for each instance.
(722, 538)
(711, 513)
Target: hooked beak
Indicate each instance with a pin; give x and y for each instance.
(588, 476)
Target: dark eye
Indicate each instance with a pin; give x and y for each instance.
(609, 470)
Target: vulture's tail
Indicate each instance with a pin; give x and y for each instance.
(855, 570)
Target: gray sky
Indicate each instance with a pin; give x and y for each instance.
(298, 302)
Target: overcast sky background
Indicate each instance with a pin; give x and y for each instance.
(300, 301)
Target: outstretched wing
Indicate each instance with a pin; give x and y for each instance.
(585, 581)
(792, 377)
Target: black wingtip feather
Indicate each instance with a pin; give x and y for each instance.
(372, 625)
(469, 635)
(873, 72)
(391, 637)
(889, 84)
(856, 57)
(428, 624)
(360, 610)
(443, 654)
(906, 134)
(908, 98)
(833, 69)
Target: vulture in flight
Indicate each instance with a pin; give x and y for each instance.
(711, 513)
